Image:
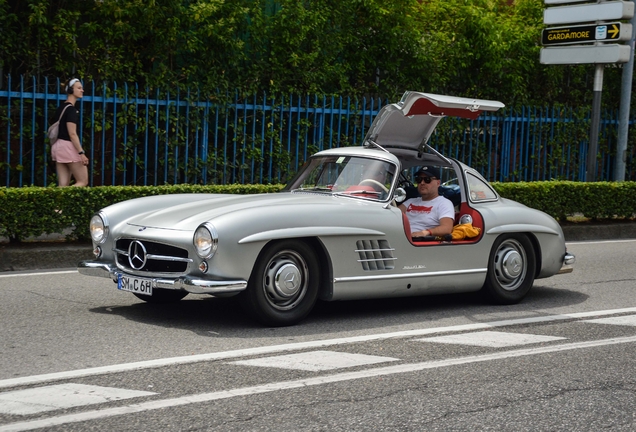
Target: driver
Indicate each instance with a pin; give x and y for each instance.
(430, 214)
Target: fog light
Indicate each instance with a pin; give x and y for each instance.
(97, 252)
(203, 267)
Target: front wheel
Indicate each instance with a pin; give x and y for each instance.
(511, 269)
(283, 286)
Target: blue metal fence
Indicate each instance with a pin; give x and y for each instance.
(136, 136)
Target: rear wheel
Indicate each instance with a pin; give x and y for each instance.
(162, 296)
(511, 269)
(283, 286)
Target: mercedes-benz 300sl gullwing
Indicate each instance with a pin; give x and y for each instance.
(336, 231)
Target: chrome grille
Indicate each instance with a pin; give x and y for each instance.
(151, 257)
(375, 255)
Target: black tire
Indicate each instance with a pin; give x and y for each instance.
(267, 300)
(162, 296)
(511, 269)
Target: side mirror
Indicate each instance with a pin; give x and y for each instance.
(399, 195)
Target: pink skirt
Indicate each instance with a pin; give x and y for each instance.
(64, 151)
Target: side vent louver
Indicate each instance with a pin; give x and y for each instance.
(375, 255)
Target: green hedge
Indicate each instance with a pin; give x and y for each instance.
(33, 211)
(561, 199)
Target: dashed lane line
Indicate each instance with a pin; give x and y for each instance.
(491, 339)
(316, 361)
(126, 367)
(294, 384)
(62, 396)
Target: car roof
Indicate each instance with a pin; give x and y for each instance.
(364, 152)
(408, 124)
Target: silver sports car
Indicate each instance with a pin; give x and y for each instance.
(335, 232)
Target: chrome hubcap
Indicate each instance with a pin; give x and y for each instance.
(285, 280)
(510, 264)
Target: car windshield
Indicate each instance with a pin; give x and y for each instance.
(350, 175)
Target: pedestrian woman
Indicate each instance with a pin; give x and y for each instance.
(67, 152)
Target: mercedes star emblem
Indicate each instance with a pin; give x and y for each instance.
(136, 255)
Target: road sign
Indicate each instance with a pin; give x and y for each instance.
(609, 32)
(605, 11)
(582, 54)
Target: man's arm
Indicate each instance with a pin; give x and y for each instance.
(445, 227)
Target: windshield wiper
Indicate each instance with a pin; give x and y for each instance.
(313, 189)
(359, 192)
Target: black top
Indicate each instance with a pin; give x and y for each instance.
(71, 115)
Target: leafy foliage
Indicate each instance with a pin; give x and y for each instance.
(475, 48)
(32, 211)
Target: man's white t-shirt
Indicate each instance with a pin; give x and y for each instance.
(425, 215)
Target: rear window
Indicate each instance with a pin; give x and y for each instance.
(479, 190)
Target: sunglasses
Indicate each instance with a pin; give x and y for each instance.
(426, 180)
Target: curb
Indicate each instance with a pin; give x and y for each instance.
(43, 255)
(590, 231)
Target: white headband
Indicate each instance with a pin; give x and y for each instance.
(71, 83)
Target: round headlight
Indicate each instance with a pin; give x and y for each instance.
(206, 240)
(99, 228)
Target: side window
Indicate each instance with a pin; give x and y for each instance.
(479, 190)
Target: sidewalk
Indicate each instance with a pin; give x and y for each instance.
(52, 253)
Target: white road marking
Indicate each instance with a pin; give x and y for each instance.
(37, 274)
(629, 320)
(123, 367)
(286, 385)
(491, 339)
(583, 242)
(50, 398)
(316, 361)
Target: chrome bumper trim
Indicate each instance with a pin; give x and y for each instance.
(185, 283)
(568, 263)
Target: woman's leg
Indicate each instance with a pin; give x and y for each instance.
(63, 174)
(80, 172)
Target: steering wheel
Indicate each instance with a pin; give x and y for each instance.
(403, 182)
(372, 182)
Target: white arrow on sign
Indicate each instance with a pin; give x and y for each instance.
(597, 54)
(611, 10)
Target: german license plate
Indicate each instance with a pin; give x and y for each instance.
(134, 284)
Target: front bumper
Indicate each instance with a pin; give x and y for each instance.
(568, 263)
(185, 283)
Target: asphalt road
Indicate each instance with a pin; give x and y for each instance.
(76, 355)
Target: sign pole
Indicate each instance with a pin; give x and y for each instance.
(590, 172)
(568, 13)
(623, 118)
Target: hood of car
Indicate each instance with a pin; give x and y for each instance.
(409, 123)
(187, 216)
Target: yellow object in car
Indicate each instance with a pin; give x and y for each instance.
(464, 231)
